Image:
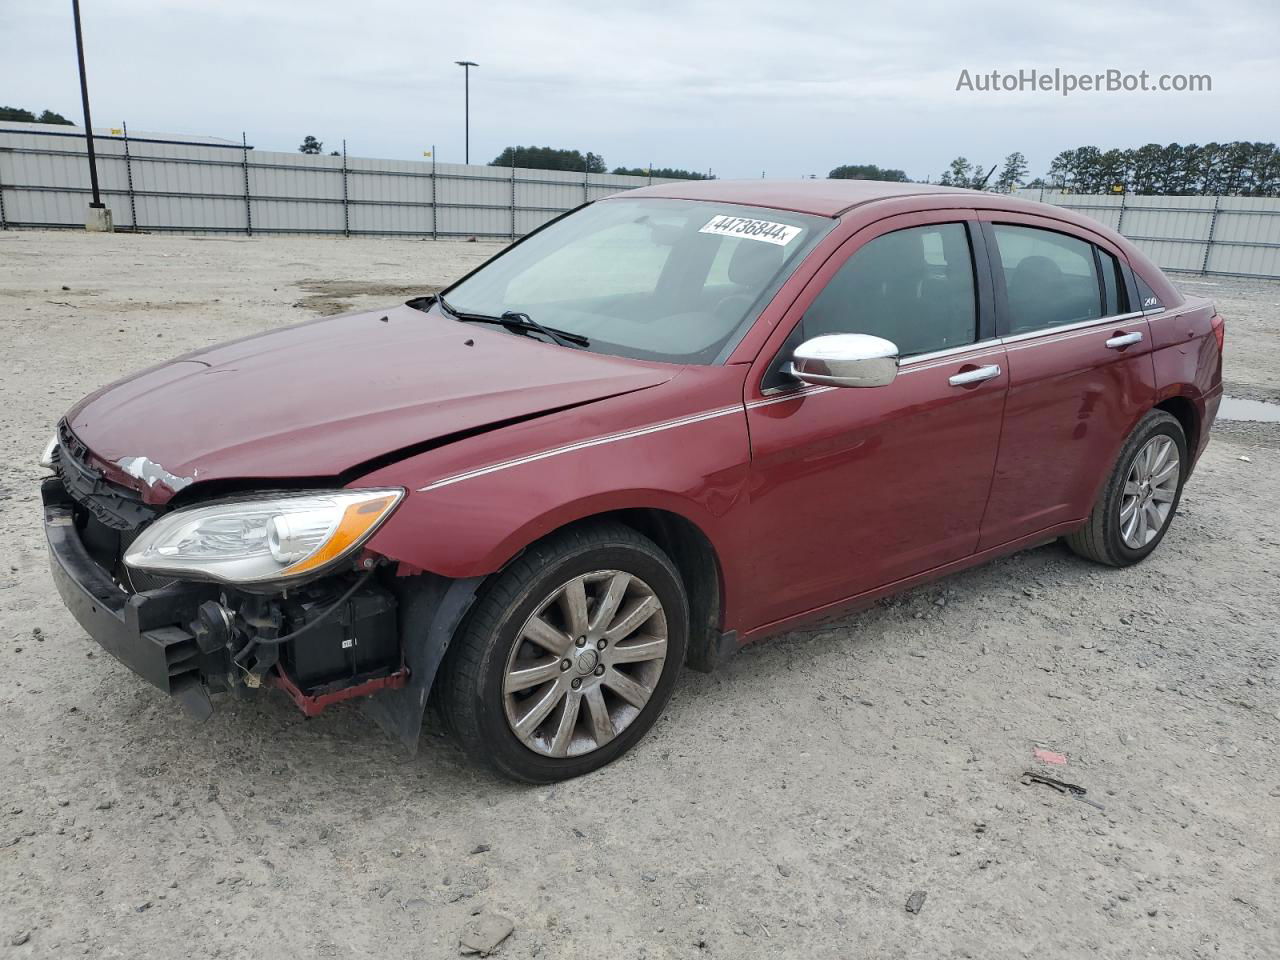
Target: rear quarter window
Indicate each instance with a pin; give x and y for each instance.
(1148, 299)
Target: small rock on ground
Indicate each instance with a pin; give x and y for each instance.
(483, 933)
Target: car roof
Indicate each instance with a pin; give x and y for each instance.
(825, 198)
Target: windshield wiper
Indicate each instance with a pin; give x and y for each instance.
(516, 320)
(522, 320)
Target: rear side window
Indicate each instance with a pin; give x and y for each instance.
(1050, 279)
(914, 287)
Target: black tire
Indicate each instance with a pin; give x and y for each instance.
(1100, 538)
(470, 685)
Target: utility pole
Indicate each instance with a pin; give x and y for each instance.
(466, 66)
(99, 217)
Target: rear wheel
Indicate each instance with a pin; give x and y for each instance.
(569, 656)
(1140, 497)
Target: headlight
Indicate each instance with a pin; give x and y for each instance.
(253, 541)
(46, 458)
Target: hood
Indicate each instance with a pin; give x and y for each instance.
(323, 398)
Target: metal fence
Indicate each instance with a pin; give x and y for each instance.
(156, 184)
(1231, 236)
(211, 186)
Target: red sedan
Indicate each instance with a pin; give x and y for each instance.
(663, 426)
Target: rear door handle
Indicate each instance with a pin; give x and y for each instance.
(975, 376)
(1122, 340)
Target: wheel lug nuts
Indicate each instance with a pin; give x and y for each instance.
(576, 683)
(582, 641)
(602, 644)
(600, 671)
(566, 664)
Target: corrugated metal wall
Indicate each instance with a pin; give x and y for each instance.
(208, 188)
(1236, 236)
(160, 185)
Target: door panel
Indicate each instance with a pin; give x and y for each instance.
(1072, 400)
(853, 488)
(1075, 391)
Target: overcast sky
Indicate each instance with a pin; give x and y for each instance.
(784, 87)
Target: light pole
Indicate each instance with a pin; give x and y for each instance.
(466, 66)
(99, 217)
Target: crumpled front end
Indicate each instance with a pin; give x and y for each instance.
(334, 638)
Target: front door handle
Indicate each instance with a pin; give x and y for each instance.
(975, 376)
(1122, 340)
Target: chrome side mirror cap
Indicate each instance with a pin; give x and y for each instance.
(846, 360)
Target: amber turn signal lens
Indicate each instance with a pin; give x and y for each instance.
(357, 521)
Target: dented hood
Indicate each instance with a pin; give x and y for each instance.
(324, 398)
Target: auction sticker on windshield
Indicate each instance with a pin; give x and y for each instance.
(766, 230)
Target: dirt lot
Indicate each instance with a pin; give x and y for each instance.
(785, 807)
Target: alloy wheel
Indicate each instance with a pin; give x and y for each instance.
(1149, 491)
(585, 663)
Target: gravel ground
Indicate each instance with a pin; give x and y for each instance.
(790, 805)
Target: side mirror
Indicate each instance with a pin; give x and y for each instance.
(846, 360)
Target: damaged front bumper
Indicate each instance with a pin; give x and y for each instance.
(384, 646)
(145, 631)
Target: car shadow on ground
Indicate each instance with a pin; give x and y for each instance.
(345, 749)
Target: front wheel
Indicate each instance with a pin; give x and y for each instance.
(569, 655)
(1140, 497)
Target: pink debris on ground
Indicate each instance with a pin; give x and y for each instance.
(1048, 756)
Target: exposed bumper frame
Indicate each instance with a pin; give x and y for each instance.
(144, 631)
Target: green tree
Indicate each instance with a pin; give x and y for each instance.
(1264, 180)
(1168, 168)
(1114, 168)
(662, 173)
(1144, 168)
(957, 174)
(48, 116)
(1013, 172)
(549, 158)
(867, 171)
(310, 145)
(1203, 173)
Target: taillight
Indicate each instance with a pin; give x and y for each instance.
(1219, 329)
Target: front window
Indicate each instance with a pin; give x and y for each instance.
(913, 287)
(655, 279)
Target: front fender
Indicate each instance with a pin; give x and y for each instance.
(476, 503)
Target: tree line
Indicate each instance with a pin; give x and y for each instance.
(551, 158)
(1227, 169)
(19, 115)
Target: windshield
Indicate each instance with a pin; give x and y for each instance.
(672, 280)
